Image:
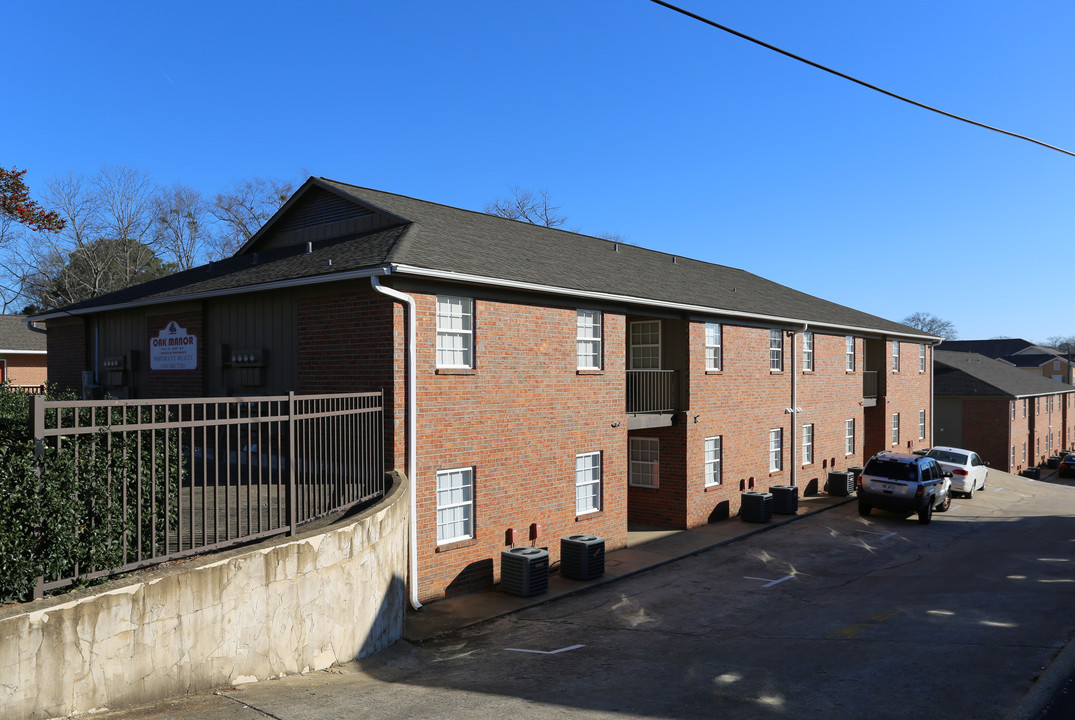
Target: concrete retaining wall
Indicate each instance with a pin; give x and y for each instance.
(281, 608)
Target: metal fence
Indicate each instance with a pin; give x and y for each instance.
(186, 476)
(652, 391)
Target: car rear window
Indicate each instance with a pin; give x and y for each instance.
(948, 457)
(891, 469)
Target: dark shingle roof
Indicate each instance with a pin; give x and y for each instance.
(449, 241)
(16, 337)
(966, 373)
(994, 348)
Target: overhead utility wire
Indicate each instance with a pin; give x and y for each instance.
(837, 73)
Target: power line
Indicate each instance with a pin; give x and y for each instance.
(863, 83)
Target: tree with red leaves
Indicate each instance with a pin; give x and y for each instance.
(15, 202)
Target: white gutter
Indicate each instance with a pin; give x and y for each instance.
(412, 426)
(632, 300)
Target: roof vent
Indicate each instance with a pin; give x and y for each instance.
(309, 247)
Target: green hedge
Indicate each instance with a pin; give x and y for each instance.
(68, 519)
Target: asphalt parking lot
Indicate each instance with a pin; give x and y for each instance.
(827, 616)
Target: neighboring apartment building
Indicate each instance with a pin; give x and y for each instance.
(22, 353)
(565, 384)
(1012, 418)
(1019, 353)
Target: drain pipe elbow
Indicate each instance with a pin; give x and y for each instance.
(412, 427)
(34, 328)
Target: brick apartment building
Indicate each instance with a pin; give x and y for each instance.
(1013, 418)
(564, 384)
(22, 353)
(1016, 352)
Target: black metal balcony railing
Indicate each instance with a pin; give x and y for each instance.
(652, 391)
(869, 384)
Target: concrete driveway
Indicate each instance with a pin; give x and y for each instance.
(833, 616)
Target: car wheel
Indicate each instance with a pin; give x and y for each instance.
(864, 509)
(945, 504)
(984, 478)
(925, 515)
(970, 495)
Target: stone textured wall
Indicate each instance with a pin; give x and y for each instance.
(290, 606)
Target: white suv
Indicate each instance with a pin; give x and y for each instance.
(904, 483)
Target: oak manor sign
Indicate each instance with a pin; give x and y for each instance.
(173, 349)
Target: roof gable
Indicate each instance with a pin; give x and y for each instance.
(966, 373)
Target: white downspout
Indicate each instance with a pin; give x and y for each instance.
(412, 426)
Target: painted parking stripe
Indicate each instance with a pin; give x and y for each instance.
(767, 581)
(546, 652)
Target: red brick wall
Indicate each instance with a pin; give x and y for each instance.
(356, 342)
(67, 353)
(519, 418)
(27, 369)
(176, 383)
(908, 392)
(989, 431)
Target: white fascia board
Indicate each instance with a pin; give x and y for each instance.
(23, 352)
(279, 285)
(632, 300)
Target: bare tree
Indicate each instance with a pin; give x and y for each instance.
(1063, 343)
(526, 205)
(181, 229)
(125, 200)
(242, 210)
(931, 324)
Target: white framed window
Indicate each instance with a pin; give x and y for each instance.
(644, 469)
(895, 428)
(1024, 451)
(455, 505)
(645, 345)
(1013, 409)
(849, 436)
(808, 444)
(714, 457)
(921, 357)
(587, 483)
(808, 351)
(895, 356)
(588, 339)
(712, 346)
(849, 354)
(921, 424)
(455, 332)
(776, 350)
(776, 449)
(1011, 461)
(1024, 407)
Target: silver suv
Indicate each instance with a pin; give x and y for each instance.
(904, 483)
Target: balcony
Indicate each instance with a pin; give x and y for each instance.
(870, 388)
(652, 393)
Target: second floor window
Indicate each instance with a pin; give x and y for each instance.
(849, 354)
(646, 345)
(922, 357)
(808, 351)
(776, 350)
(895, 356)
(455, 332)
(712, 346)
(588, 339)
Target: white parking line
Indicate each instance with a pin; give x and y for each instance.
(767, 581)
(546, 652)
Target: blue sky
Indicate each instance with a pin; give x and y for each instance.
(637, 120)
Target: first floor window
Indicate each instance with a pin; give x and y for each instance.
(455, 332)
(455, 505)
(895, 428)
(808, 444)
(713, 460)
(849, 436)
(921, 424)
(1011, 463)
(776, 449)
(587, 483)
(645, 462)
(712, 346)
(1024, 451)
(588, 339)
